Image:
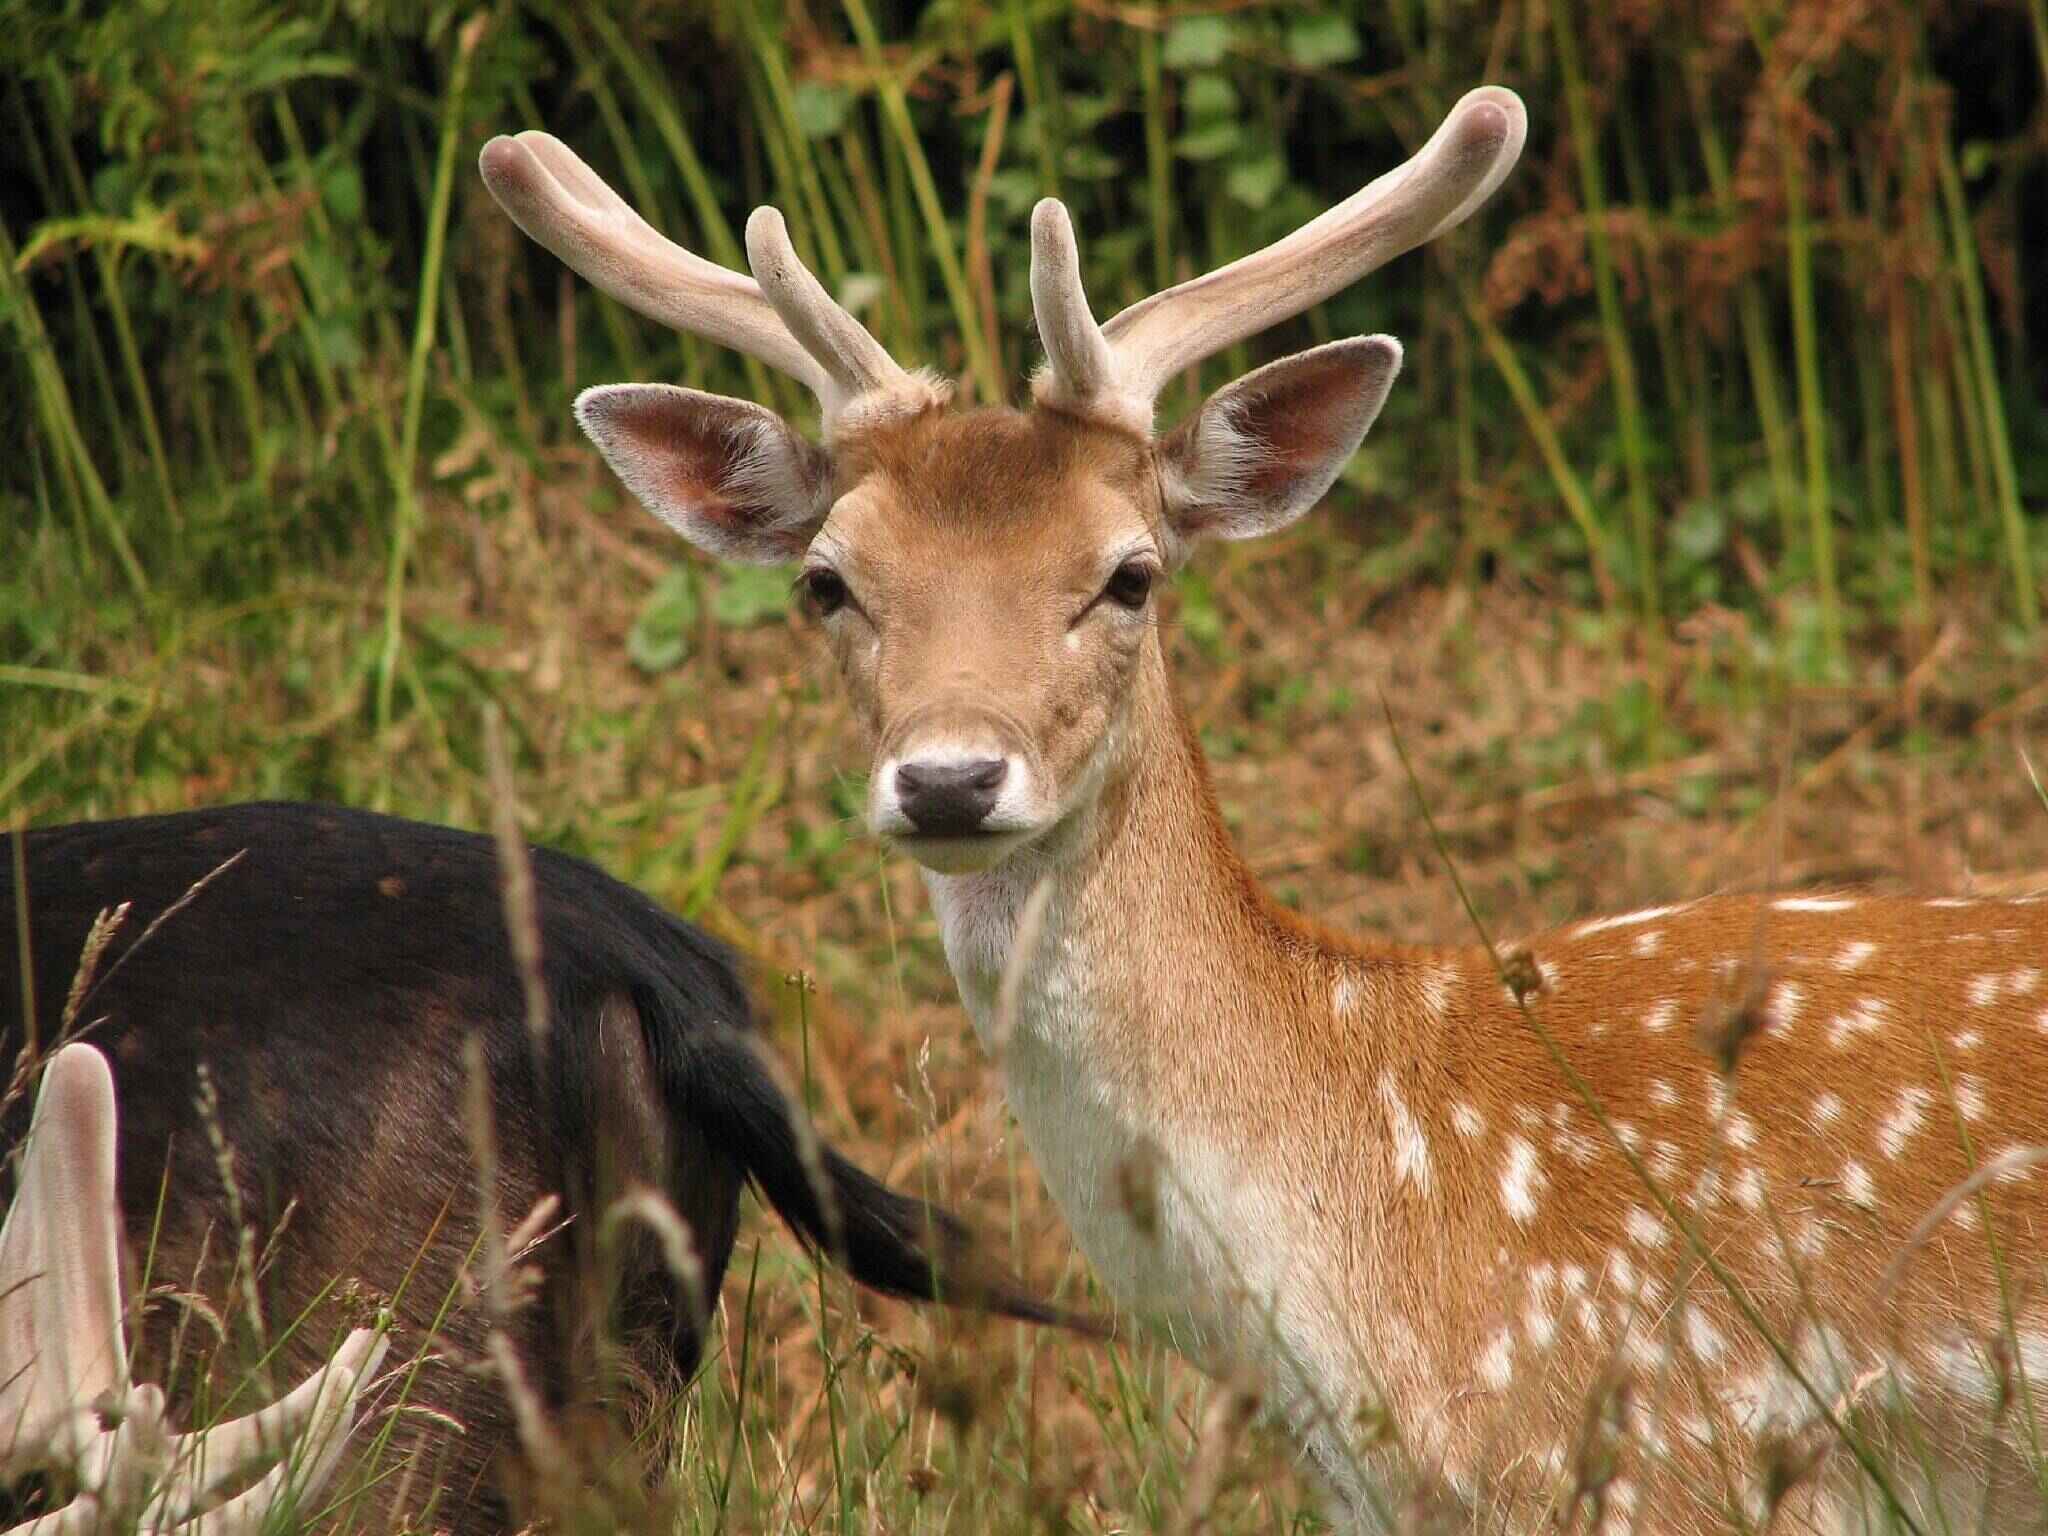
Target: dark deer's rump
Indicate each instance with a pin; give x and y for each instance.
(327, 980)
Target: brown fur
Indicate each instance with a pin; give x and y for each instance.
(972, 540)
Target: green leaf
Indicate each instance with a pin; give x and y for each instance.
(821, 109)
(1211, 142)
(1253, 182)
(1322, 39)
(1196, 42)
(1085, 162)
(341, 188)
(1699, 530)
(749, 594)
(1210, 96)
(148, 229)
(660, 636)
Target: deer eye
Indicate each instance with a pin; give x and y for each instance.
(824, 591)
(1130, 584)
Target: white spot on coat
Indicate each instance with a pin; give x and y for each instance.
(1909, 1113)
(1814, 903)
(1644, 1229)
(1827, 1109)
(1497, 1365)
(1786, 999)
(1867, 1016)
(1749, 1189)
(1970, 1097)
(1411, 1147)
(1851, 956)
(1467, 1121)
(1659, 1018)
(1624, 920)
(1702, 1337)
(1648, 944)
(1520, 1181)
(1857, 1184)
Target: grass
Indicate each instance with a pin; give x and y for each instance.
(295, 510)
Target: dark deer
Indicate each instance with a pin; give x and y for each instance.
(322, 971)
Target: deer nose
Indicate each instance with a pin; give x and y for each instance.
(948, 799)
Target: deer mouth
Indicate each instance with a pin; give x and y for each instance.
(960, 853)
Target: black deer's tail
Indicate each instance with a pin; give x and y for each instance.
(720, 1079)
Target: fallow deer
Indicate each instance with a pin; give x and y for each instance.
(320, 975)
(1492, 1221)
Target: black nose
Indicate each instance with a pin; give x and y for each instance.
(947, 799)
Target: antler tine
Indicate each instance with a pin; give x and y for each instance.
(1075, 349)
(1447, 180)
(61, 1341)
(856, 362)
(561, 202)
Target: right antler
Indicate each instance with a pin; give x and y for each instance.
(782, 315)
(1116, 371)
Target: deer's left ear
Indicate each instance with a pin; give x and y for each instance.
(1262, 451)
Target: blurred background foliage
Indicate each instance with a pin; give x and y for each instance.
(1756, 326)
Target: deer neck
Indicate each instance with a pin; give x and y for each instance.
(1152, 1034)
(1144, 911)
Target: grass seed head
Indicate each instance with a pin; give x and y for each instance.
(1524, 977)
(1728, 1024)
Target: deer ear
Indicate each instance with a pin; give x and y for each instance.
(1261, 452)
(733, 478)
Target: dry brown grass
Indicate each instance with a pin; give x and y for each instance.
(1910, 777)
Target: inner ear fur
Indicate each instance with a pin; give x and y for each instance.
(730, 476)
(1263, 450)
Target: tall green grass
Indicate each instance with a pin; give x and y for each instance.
(254, 295)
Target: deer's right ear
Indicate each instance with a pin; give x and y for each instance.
(733, 478)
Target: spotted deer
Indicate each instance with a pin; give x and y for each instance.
(1657, 1221)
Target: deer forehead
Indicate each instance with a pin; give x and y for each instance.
(1021, 492)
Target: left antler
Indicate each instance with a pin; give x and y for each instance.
(1117, 370)
(64, 1354)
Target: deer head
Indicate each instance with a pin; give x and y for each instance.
(986, 578)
